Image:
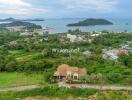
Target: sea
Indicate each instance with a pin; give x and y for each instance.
(60, 25)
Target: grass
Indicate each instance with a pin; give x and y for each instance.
(103, 95)
(114, 95)
(55, 93)
(22, 55)
(19, 79)
(52, 92)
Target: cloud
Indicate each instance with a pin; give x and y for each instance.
(95, 5)
(19, 8)
(27, 8)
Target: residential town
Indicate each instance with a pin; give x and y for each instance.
(65, 50)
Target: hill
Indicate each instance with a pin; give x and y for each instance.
(7, 19)
(20, 23)
(13, 19)
(91, 22)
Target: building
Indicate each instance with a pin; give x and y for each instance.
(113, 54)
(15, 28)
(76, 38)
(87, 52)
(41, 31)
(64, 71)
(34, 32)
(127, 46)
(95, 35)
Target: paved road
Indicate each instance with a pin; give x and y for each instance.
(104, 87)
(20, 88)
(83, 86)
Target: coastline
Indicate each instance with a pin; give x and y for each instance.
(60, 25)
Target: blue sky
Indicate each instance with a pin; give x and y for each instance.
(65, 8)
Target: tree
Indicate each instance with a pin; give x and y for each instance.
(77, 30)
(69, 31)
(29, 67)
(82, 78)
(114, 77)
(48, 77)
(88, 79)
(100, 80)
(126, 59)
(2, 63)
(10, 66)
(93, 78)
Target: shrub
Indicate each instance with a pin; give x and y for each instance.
(115, 77)
(10, 66)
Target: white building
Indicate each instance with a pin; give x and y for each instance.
(86, 52)
(36, 31)
(76, 38)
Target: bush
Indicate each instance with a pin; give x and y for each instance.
(10, 66)
(115, 77)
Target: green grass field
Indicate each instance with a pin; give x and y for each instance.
(19, 79)
(21, 55)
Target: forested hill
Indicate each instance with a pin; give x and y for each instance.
(91, 22)
(13, 19)
(20, 23)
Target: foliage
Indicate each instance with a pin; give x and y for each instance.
(126, 59)
(89, 22)
(35, 54)
(64, 94)
(12, 79)
(115, 77)
(49, 92)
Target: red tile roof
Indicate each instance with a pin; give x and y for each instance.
(62, 70)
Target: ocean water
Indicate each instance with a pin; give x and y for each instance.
(59, 25)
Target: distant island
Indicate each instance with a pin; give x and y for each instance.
(7, 19)
(92, 22)
(37, 19)
(13, 19)
(20, 23)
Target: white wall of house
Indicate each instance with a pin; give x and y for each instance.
(75, 76)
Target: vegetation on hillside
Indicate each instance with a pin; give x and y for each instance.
(67, 94)
(35, 54)
(92, 22)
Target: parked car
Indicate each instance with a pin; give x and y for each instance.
(73, 86)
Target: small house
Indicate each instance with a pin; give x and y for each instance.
(65, 71)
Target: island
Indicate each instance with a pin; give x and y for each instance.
(37, 19)
(20, 23)
(13, 19)
(20, 26)
(91, 22)
(24, 28)
(7, 19)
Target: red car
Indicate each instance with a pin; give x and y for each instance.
(73, 86)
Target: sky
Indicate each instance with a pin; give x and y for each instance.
(65, 8)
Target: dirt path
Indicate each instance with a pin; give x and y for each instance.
(104, 87)
(20, 88)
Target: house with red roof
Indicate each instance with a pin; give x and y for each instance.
(65, 71)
